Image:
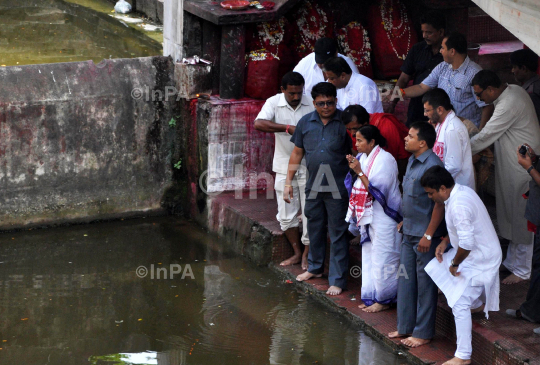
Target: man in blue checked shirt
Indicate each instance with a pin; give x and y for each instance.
(454, 76)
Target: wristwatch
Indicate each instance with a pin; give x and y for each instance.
(428, 237)
(452, 263)
(360, 174)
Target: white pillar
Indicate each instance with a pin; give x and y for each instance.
(173, 29)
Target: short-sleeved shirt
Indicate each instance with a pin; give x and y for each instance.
(532, 86)
(416, 206)
(360, 90)
(325, 147)
(278, 110)
(457, 84)
(419, 63)
(313, 74)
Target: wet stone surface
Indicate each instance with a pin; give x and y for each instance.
(72, 295)
(51, 31)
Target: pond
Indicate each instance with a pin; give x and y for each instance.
(51, 31)
(90, 294)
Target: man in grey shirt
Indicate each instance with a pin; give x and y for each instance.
(524, 65)
(423, 226)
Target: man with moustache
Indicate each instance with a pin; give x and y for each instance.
(322, 138)
(420, 61)
(280, 115)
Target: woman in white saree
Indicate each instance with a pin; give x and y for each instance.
(375, 204)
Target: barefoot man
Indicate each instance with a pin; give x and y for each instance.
(468, 274)
(323, 139)
(279, 115)
(422, 228)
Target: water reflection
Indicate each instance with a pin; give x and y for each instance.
(71, 296)
(50, 31)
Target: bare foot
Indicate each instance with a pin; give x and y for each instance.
(305, 258)
(355, 241)
(291, 260)
(457, 361)
(414, 342)
(362, 306)
(479, 309)
(334, 290)
(376, 307)
(512, 279)
(306, 276)
(396, 334)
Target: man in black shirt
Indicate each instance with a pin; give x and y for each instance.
(421, 60)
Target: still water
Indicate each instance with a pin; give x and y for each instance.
(72, 295)
(50, 31)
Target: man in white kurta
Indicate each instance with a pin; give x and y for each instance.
(468, 274)
(514, 122)
(310, 67)
(280, 115)
(352, 89)
(453, 145)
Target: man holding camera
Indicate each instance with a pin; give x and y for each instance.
(530, 309)
(513, 122)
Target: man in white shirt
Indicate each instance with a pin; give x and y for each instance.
(514, 122)
(353, 89)
(453, 145)
(279, 115)
(468, 274)
(311, 66)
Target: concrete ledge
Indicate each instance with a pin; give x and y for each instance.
(499, 340)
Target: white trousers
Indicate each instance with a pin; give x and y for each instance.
(472, 298)
(287, 215)
(519, 259)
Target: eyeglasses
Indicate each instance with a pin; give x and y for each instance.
(353, 130)
(428, 110)
(329, 104)
(478, 95)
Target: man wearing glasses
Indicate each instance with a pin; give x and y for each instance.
(322, 138)
(513, 123)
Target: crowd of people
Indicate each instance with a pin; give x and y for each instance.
(407, 192)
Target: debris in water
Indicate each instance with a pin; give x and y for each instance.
(123, 7)
(127, 19)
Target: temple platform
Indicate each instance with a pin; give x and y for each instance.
(250, 225)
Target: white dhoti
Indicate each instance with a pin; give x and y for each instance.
(287, 215)
(519, 259)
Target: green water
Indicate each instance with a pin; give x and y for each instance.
(50, 31)
(72, 295)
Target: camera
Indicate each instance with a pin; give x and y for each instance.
(523, 150)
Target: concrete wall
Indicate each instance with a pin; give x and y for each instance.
(75, 144)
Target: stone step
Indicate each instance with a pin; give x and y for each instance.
(250, 227)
